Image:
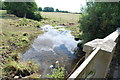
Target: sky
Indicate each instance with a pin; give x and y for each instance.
(67, 5)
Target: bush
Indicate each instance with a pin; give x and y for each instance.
(37, 16)
(99, 20)
(28, 9)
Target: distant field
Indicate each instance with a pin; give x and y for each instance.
(3, 12)
(62, 17)
(68, 19)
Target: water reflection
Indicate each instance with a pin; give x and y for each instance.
(54, 45)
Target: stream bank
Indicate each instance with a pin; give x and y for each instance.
(55, 45)
(17, 35)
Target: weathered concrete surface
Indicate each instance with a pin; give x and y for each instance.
(97, 66)
(105, 46)
(100, 63)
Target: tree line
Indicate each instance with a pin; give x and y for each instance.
(22, 9)
(51, 9)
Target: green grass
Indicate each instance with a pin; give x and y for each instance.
(68, 19)
(20, 69)
(15, 27)
(61, 17)
(3, 13)
(16, 35)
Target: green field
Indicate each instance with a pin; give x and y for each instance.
(61, 17)
(3, 12)
(67, 19)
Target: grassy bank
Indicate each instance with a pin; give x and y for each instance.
(18, 33)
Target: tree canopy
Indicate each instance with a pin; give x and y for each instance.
(57, 10)
(40, 8)
(99, 20)
(2, 6)
(48, 9)
(23, 9)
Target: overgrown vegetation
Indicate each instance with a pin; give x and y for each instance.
(17, 34)
(57, 73)
(19, 41)
(99, 20)
(21, 69)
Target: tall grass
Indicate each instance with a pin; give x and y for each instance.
(13, 68)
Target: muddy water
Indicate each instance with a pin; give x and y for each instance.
(55, 45)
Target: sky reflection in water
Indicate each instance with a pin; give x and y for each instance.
(54, 45)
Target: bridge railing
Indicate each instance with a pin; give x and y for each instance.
(98, 57)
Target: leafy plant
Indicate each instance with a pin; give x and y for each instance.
(57, 73)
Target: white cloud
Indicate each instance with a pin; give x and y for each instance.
(69, 5)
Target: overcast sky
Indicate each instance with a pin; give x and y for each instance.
(68, 5)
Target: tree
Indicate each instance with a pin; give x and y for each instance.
(99, 20)
(40, 9)
(23, 9)
(48, 9)
(2, 6)
(57, 10)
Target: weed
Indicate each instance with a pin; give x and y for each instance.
(23, 22)
(37, 25)
(57, 72)
(19, 69)
(19, 40)
(14, 56)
